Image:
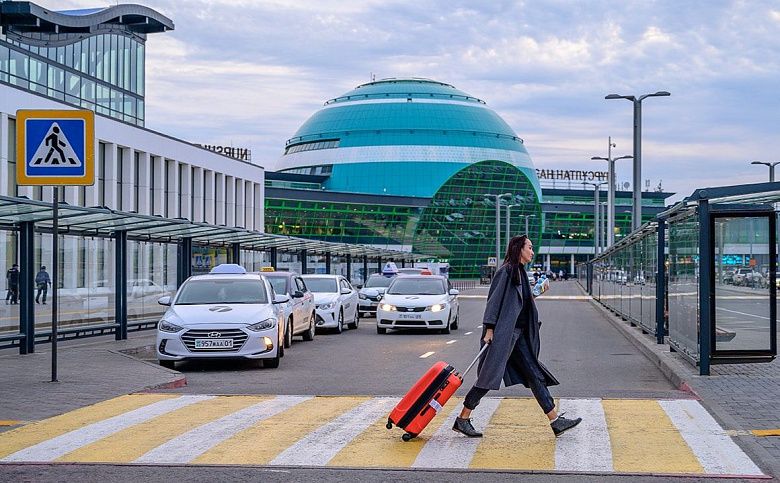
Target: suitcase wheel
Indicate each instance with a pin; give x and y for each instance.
(389, 424)
(408, 436)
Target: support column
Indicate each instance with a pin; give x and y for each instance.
(219, 199)
(235, 253)
(547, 264)
(349, 268)
(327, 263)
(660, 283)
(303, 256)
(571, 265)
(144, 181)
(110, 177)
(272, 256)
(259, 208)
(230, 201)
(183, 260)
(172, 183)
(208, 197)
(249, 195)
(240, 203)
(197, 194)
(120, 282)
(4, 153)
(157, 183)
(26, 287)
(365, 268)
(185, 196)
(706, 288)
(128, 179)
(379, 264)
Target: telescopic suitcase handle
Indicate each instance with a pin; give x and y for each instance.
(484, 348)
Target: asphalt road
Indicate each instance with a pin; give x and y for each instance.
(587, 355)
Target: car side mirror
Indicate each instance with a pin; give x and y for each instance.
(281, 299)
(454, 292)
(164, 300)
(298, 294)
(359, 286)
(345, 291)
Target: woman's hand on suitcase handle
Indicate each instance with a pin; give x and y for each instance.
(488, 336)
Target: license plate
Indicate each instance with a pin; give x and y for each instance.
(213, 343)
(410, 316)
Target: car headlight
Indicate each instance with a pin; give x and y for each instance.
(266, 324)
(165, 326)
(362, 296)
(387, 307)
(437, 307)
(327, 306)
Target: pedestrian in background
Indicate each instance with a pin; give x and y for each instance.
(12, 280)
(511, 328)
(42, 282)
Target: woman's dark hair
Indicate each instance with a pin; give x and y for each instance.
(512, 258)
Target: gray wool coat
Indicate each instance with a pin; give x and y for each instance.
(504, 304)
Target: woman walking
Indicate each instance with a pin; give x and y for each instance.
(511, 327)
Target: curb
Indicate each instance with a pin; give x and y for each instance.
(180, 380)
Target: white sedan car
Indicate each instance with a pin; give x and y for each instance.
(418, 302)
(222, 315)
(336, 301)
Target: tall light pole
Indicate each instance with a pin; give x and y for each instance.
(771, 168)
(596, 216)
(498, 222)
(611, 191)
(508, 210)
(636, 217)
(526, 222)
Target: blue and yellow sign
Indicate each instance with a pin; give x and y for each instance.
(55, 147)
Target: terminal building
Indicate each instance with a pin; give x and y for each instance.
(416, 164)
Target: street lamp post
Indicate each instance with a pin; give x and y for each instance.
(636, 217)
(596, 216)
(498, 222)
(771, 168)
(508, 232)
(611, 190)
(526, 221)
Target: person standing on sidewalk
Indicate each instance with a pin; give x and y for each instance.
(42, 282)
(511, 328)
(12, 278)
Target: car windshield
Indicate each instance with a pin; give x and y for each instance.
(278, 283)
(201, 292)
(380, 281)
(322, 285)
(416, 286)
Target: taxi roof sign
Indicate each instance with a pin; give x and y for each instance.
(267, 269)
(228, 268)
(55, 147)
(390, 269)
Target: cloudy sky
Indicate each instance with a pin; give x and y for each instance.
(249, 72)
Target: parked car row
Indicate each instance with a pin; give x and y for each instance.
(746, 277)
(230, 313)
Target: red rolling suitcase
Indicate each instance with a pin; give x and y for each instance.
(426, 398)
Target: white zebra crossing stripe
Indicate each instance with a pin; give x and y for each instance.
(587, 447)
(61, 445)
(715, 450)
(321, 445)
(448, 449)
(193, 443)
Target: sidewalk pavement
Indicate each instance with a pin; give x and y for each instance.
(742, 397)
(89, 371)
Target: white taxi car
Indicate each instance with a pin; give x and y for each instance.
(336, 301)
(418, 302)
(371, 293)
(224, 314)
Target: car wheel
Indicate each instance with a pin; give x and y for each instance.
(340, 324)
(446, 329)
(455, 322)
(309, 334)
(381, 330)
(280, 345)
(274, 362)
(168, 364)
(288, 334)
(356, 322)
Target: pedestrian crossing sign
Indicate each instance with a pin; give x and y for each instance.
(55, 147)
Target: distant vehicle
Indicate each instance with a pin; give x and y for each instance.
(418, 302)
(222, 315)
(143, 287)
(336, 302)
(299, 311)
(371, 294)
(411, 271)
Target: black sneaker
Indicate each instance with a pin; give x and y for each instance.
(563, 424)
(464, 426)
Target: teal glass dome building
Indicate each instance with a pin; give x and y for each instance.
(424, 140)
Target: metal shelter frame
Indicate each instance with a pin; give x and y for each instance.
(28, 217)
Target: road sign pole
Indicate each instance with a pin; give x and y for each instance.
(56, 275)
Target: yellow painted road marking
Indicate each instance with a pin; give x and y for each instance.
(10, 422)
(35, 433)
(378, 447)
(129, 444)
(644, 439)
(766, 432)
(261, 443)
(518, 436)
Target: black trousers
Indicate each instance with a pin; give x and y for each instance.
(531, 372)
(42, 289)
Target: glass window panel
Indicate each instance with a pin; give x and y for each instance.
(38, 75)
(88, 90)
(133, 64)
(77, 59)
(120, 60)
(116, 100)
(18, 66)
(113, 64)
(103, 99)
(126, 63)
(4, 66)
(129, 107)
(68, 55)
(61, 55)
(140, 109)
(56, 82)
(106, 58)
(140, 69)
(93, 54)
